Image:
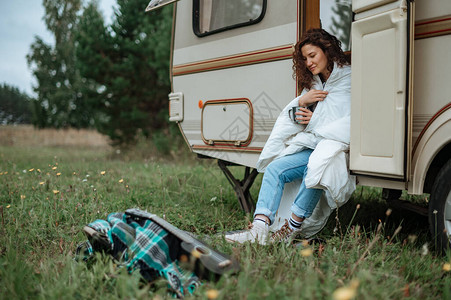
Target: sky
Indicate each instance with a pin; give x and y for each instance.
(20, 22)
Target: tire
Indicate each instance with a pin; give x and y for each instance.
(440, 209)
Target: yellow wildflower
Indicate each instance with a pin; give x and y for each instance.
(447, 267)
(121, 180)
(54, 168)
(212, 294)
(56, 192)
(102, 173)
(344, 293)
(42, 182)
(306, 252)
(8, 206)
(58, 174)
(23, 197)
(31, 170)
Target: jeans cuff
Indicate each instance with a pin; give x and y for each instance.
(265, 212)
(299, 212)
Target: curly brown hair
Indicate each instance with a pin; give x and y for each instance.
(331, 47)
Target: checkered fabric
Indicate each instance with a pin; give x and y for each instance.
(141, 244)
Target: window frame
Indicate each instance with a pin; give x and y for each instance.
(196, 14)
(311, 19)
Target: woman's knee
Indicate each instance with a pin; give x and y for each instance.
(273, 167)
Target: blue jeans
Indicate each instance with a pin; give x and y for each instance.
(280, 171)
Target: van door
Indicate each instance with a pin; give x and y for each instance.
(382, 55)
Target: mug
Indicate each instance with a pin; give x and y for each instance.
(292, 113)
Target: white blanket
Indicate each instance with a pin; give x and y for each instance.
(328, 132)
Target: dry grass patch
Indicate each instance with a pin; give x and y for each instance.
(27, 135)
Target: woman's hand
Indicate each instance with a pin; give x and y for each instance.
(311, 97)
(303, 115)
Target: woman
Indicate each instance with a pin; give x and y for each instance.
(324, 77)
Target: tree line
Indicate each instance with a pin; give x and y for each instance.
(14, 106)
(114, 78)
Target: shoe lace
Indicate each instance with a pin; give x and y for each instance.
(284, 231)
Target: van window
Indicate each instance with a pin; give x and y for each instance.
(211, 16)
(336, 18)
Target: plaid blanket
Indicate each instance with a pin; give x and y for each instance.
(141, 244)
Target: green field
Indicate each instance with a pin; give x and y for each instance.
(47, 194)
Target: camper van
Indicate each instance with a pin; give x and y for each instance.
(231, 74)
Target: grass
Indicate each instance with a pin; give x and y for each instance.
(47, 194)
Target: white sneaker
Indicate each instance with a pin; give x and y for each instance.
(257, 232)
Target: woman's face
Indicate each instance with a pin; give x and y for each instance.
(315, 60)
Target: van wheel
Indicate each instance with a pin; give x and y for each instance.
(440, 208)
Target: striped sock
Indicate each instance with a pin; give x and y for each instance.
(294, 225)
(260, 220)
